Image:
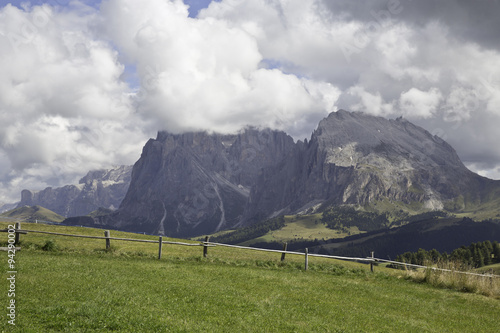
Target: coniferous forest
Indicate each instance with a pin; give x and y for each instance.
(475, 255)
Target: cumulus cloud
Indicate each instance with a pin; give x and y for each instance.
(435, 63)
(77, 81)
(205, 74)
(64, 108)
(423, 104)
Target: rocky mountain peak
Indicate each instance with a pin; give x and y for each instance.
(356, 158)
(350, 138)
(116, 175)
(197, 183)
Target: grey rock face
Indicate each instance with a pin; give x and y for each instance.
(355, 158)
(99, 188)
(196, 183)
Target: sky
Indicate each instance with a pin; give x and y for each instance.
(84, 84)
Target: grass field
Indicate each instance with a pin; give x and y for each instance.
(80, 287)
(308, 227)
(495, 269)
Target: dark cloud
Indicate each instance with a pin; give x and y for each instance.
(471, 21)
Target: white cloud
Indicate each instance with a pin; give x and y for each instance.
(303, 35)
(416, 103)
(59, 86)
(460, 103)
(485, 170)
(206, 74)
(372, 103)
(65, 108)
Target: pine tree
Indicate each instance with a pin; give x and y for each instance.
(496, 252)
(477, 255)
(487, 250)
(422, 256)
(434, 255)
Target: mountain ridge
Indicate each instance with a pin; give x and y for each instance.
(98, 188)
(198, 183)
(355, 158)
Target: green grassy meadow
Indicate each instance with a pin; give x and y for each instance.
(307, 227)
(494, 269)
(75, 285)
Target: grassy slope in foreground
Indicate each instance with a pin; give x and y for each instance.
(128, 290)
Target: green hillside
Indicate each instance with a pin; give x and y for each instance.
(32, 213)
(296, 227)
(490, 269)
(75, 285)
(303, 227)
(481, 208)
(356, 232)
(334, 224)
(488, 208)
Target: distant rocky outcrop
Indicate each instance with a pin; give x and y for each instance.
(197, 183)
(7, 207)
(99, 188)
(32, 214)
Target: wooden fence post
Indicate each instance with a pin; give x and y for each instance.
(18, 227)
(307, 259)
(205, 247)
(371, 262)
(160, 244)
(284, 249)
(108, 241)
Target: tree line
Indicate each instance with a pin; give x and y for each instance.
(344, 217)
(475, 255)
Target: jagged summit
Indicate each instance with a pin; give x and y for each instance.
(195, 183)
(362, 134)
(356, 158)
(198, 183)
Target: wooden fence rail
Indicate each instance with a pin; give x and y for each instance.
(22, 231)
(434, 268)
(206, 244)
(292, 252)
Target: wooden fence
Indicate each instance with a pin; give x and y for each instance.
(206, 244)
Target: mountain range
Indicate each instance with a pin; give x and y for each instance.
(199, 183)
(99, 188)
